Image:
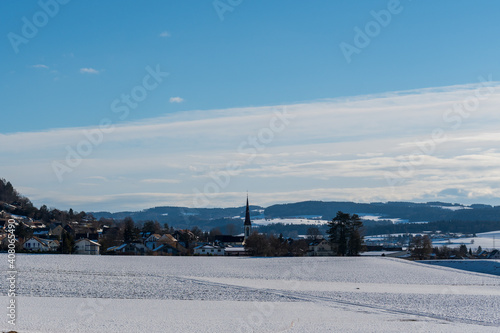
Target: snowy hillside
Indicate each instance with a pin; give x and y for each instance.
(487, 240)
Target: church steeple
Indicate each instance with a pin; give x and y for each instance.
(248, 224)
(247, 215)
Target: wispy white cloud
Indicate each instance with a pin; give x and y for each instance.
(176, 100)
(40, 66)
(164, 34)
(88, 70)
(339, 149)
(104, 179)
(161, 181)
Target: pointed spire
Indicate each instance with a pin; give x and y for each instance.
(247, 214)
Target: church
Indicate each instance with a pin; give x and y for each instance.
(234, 245)
(247, 225)
(237, 240)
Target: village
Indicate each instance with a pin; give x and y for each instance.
(89, 236)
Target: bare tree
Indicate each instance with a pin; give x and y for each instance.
(421, 247)
(313, 233)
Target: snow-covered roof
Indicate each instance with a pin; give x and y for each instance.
(154, 236)
(235, 249)
(88, 240)
(208, 246)
(116, 248)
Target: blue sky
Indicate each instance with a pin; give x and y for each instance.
(262, 57)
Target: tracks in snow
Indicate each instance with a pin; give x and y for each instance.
(340, 304)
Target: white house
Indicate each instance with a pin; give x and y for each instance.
(40, 245)
(320, 247)
(86, 246)
(53, 244)
(236, 251)
(209, 250)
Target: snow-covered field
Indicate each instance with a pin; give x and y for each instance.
(290, 220)
(478, 266)
(231, 294)
(487, 240)
(316, 219)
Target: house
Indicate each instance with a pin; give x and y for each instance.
(170, 240)
(184, 237)
(40, 245)
(495, 254)
(56, 229)
(229, 240)
(166, 249)
(53, 244)
(9, 206)
(41, 232)
(19, 218)
(129, 248)
(320, 247)
(69, 229)
(155, 241)
(152, 241)
(85, 232)
(236, 251)
(86, 246)
(35, 244)
(209, 250)
(483, 255)
(38, 225)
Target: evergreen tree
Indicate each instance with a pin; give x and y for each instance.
(337, 232)
(463, 250)
(130, 231)
(344, 233)
(355, 242)
(8, 193)
(67, 245)
(44, 214)
(21, 231)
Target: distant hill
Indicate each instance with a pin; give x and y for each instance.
(378, 216)
(182, 217)
(410, 211)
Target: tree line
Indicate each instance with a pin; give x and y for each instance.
(24, 207)
(460, 226)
